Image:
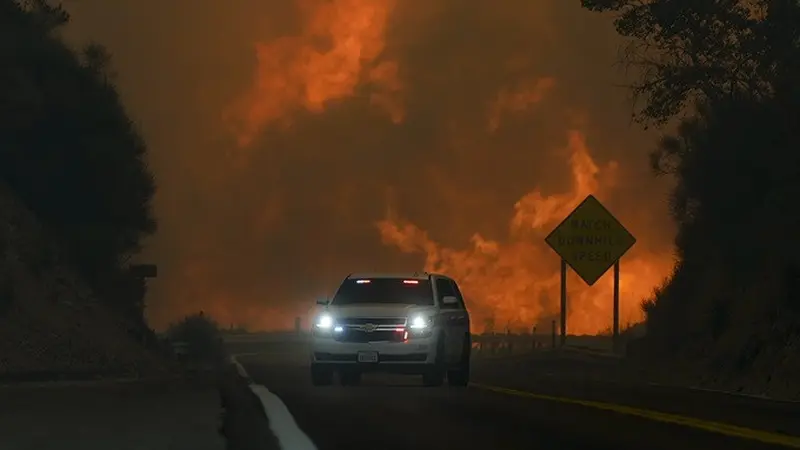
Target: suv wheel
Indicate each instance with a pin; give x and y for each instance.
(321, 376)
(459, 375)
(434, 375)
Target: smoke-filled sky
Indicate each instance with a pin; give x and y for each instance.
(295, 142)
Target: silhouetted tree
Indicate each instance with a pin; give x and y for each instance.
(68, 149)
(97, 59)
(731, 66)
(684, 50)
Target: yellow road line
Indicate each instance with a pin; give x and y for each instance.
(691, 422)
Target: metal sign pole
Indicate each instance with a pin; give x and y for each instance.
(563, 303)
(616, 306)
(590, 240)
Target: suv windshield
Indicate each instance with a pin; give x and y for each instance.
(384, 290)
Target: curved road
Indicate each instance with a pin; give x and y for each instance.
(542, 405)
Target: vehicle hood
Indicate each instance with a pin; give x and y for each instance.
(379, 310)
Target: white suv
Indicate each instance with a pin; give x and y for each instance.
(402, 323)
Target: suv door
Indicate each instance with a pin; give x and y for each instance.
(464, 323)
(453, 318)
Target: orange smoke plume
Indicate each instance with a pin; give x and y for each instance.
(518, 100)
(197, 291)
(516, 283)
(338, 48)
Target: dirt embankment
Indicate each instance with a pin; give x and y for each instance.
(51, 325)
(756, 352)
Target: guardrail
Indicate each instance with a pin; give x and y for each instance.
(507, 344)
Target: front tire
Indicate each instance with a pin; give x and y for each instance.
(435, 374)
(321, 376)
(459, 375)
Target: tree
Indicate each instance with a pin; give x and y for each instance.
(686, 51)
(97, 59)
(728, 70)
(68, 149)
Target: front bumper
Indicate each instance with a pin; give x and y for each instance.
(417, 351)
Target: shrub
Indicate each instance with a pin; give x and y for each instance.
(201, 336)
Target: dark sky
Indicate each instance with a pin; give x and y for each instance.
(296, 142)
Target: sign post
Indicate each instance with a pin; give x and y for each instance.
(615, 331)
(590, 240)
(563, 302)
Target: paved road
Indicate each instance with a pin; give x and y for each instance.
(519, 407)
(163, 415)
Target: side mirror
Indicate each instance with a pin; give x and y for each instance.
(449, 300)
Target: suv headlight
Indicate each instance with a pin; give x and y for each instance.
(419, 322)
(420, 325)
(324, 322)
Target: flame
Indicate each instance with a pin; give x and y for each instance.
(293, 73)
(340, 53)
(516, 283)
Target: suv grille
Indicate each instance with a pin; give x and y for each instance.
(356, 335)
(385, 329)
(394, 321)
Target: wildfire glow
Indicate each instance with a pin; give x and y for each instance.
(340, 53)
(296, 72)
(518, 99)
(516, 283)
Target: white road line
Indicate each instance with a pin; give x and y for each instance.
(281, 422)
(289, 435)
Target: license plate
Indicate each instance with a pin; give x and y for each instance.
(367, 357)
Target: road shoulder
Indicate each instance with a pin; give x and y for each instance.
(245, 424)
(154, 413)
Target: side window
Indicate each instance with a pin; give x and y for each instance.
(443, 289)
(458, 295)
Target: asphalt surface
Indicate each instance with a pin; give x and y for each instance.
(547, 403)
(118, 415)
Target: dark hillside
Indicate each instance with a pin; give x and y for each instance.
(727, 73)
(75, 203)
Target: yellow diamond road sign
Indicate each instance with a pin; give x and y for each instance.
(590, 240)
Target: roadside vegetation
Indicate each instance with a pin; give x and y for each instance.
(75, 189)
(196, 337)
(69, 152)
(720, 78)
